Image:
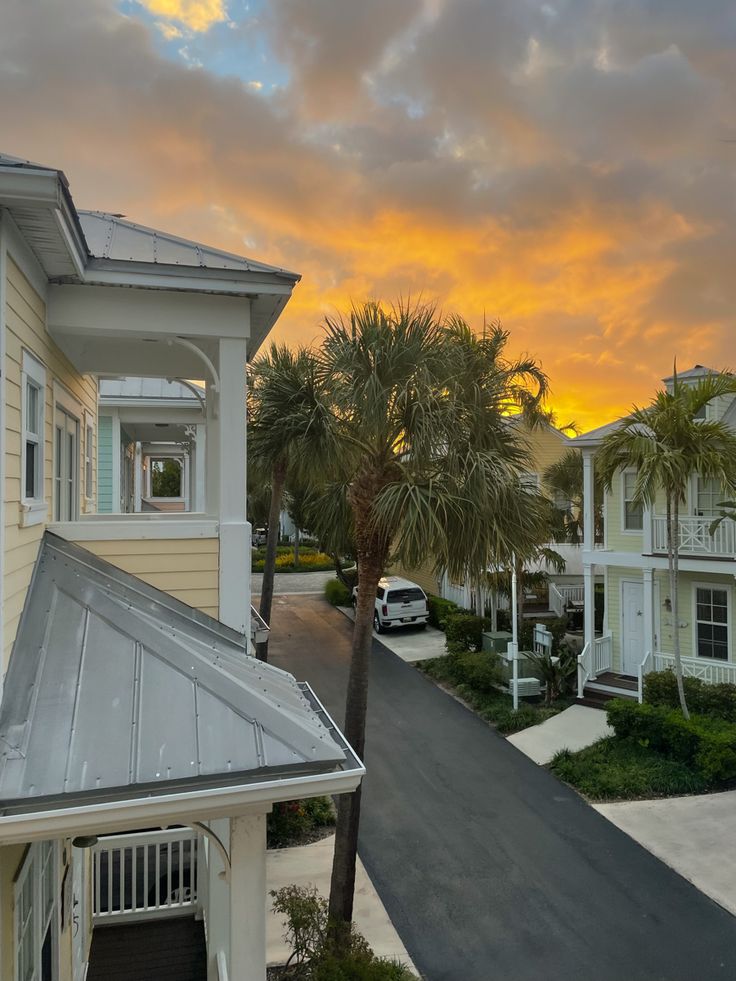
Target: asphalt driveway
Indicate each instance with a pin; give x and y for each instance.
(488, 866)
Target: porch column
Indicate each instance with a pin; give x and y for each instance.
(648, 577)
(137, 478)
(248, 898)
(588, 501)
(218, 900)
(118, 463)
(589, 602)
(198, 455)
(647, 530)
(234, 530)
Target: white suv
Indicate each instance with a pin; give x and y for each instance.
(399, 603)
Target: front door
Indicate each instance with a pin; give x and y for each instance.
(66, 466)
(632, 636)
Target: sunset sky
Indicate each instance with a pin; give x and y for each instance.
(568, 167)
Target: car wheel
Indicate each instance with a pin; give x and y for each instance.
(377, 624)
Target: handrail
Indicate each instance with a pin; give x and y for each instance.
(221, 966)
(641, 672)
(556, 600)
(259, 629)
(583, 669)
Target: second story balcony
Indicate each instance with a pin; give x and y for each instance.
(695, 536)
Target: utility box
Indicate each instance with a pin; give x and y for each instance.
(496, 641)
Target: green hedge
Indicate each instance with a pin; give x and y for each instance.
(439, 610)
(465, 631)
(718, 701)
(337, 593)
(706, 744)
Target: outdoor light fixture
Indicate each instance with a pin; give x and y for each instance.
(668, 604)
(85, 841)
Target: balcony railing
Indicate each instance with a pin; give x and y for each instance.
(712, 672)
(259, 629)
(695, 537)
(562, 597)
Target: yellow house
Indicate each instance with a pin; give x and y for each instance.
(129, 699)
(638, 626)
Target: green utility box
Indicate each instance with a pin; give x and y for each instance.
(496, 641)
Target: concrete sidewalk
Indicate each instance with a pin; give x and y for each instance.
(575, 728)
(410, 643)
(290, 583)
(312, 865)
(695, 836)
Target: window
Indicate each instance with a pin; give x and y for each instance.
(405, 595)
(633, 510)
(166, 477)
(711, 622)
(33, 396)
(708, 495)
(89, 456)
(36, 915)
(66, 465)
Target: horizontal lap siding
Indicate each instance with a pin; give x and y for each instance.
(185, 567)
(424, 576)
(25, 321)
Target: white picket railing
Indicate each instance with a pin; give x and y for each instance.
(602, 654)
(644, 668)
(139, 875)
(695, 536)
(585, 668)
(562, 595)
(712, 672)
(556, 600)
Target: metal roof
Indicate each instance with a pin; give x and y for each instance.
(111, 236)
(116, 690)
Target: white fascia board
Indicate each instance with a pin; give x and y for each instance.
(633, 560)
(111, 528)
(203, 280)
(27, 186)
(181, 808)
(131, 402)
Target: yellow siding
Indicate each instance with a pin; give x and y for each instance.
(424, 576)
(617, 539)
(25, 319)
(545, 447)
(185, 567)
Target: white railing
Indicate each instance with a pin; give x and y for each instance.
(454, 593)
(644, 668)
(695, 536)
(259, 629)
(221, 966)
(712, 672)
(585, 668)
(602, 654)
(561, 596)
(138, 875)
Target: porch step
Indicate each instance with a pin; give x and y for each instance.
(597, 694)
(165, 949)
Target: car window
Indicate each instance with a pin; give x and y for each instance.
(405, 595)
(380, 592)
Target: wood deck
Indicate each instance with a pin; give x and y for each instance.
(159, 950)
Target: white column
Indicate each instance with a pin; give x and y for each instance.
(137, 478)
(199, 451)
(117, 463)
(218, 900)
(248, 898)
(647, 530)
(234, 529)
(588, 501)
(186, 492)
(648, 576)
(589, 602)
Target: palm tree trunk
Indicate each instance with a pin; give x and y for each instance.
(278, 478)
(342, 884)
(673, 554)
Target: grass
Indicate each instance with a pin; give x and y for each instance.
(492, 705)
(622, 769)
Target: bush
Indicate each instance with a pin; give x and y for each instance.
(356, 967)
(481, 671)
(297, 822)
(615, 769)
(337, 593)
(439, 610)
(718, 701)
(706, 744)
(465, 631)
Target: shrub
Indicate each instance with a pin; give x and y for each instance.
(702, 742)
(465, 631)
(337, 593)
(295, 822)
(481, 671)
(719, 701)
(439, 610)
(557, 626)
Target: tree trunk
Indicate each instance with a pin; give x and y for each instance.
(342, 884)
(278, 478)
(519, 598)
(673, 555)
(296, 547)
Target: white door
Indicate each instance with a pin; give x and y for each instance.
(79, 915)
(66, 466)
(632, 635)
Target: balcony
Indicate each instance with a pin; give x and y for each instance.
(695, 537)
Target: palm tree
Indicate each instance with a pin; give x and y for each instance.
(426, 464)
(564, 479)
(289, 434)
(666, 443)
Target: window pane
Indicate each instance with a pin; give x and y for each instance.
(32, 409)
(30, 488)
(634, 515)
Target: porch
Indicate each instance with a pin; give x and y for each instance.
(695, 538)
(168, 950)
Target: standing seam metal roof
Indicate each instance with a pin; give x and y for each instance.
(115, 689)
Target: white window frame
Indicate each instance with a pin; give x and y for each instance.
(66, 401)
(624, 529)
(38, 925)
(90, 441)
(724, 587)
(33, 374)
(721, 495)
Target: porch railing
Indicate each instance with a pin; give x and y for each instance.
(139, 875)
(712, 672)
(259, 629)
(695, 537)
(594, 659)
(561, 596)
(645, 667)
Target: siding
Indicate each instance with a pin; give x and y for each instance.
(424, 576)
(617, 539)
(104, 464)
(25, 320)
(545, 447)
(185, 567)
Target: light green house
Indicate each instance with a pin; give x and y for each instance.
(638, 627)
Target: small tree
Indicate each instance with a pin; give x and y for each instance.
(564, 479)
(666, 443)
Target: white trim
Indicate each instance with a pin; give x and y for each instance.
(712, 584)
(91, 456)
(624, 529)
(136, 527)
(65, 401)
(183, 808)
(64, 398)
(117, 462)
(23, 256)
(33, 374)
(720, 565)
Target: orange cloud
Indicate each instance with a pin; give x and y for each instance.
(197, 15)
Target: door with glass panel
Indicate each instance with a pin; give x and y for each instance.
(37, 915)
(66, 466)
